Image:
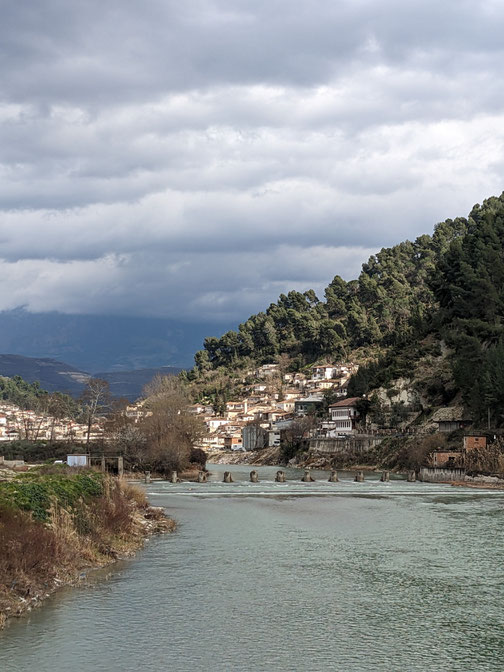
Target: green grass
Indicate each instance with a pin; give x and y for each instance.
(36, 492)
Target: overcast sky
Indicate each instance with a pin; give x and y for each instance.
(195, 159)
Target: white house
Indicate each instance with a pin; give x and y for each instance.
(325, 372)
(344, 415)
(213, 424)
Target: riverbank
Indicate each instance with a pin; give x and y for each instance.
(55, 528)
(265, 457)
(480, 482)
(272, 457)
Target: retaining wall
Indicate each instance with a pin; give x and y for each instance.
(437, 474)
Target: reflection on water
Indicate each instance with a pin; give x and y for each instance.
(289, 577)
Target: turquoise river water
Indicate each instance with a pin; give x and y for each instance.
(288, 577)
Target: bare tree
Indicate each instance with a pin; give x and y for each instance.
(95, 399)
(170, 431)
(60, 406)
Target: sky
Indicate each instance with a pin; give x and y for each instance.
(193, 160)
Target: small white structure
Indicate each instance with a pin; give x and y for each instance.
(78, 460)
(325, 372)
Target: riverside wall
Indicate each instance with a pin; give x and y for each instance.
(359, 443)
(441, 474)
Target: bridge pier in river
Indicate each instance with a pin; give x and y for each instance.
(359, 477)
(333, 478)
(228, 478)
(254, 476)
(202, 477)
(385, 477)
(280, 477)
(307, 478)
(147, 476)
(411, 476)
(174, 477)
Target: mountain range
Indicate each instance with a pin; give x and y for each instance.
(55, 376)
(103, 342)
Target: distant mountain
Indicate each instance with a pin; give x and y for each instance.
(101, 342)
(53, 376)
(130, 384)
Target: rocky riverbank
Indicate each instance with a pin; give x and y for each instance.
(273, 457)
(265, 457)
(56, 528)
(481, 482)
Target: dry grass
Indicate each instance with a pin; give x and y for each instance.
(135, 494)
(32, 556)
(35, 556)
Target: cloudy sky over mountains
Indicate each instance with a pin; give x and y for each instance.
(195, 159)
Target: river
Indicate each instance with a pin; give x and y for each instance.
(288, 577)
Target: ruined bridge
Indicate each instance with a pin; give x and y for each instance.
(281, 478)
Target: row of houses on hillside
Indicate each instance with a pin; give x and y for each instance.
(320, 377)
(17, 423)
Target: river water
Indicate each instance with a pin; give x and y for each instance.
(288, 577)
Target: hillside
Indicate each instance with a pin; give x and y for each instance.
(52, 375)
(441, 294)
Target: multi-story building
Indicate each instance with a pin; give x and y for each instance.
(344, 415)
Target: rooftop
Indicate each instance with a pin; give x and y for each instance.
(345, 402)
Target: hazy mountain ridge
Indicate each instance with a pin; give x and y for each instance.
(130, 384)
(102, 342)
(56, 376)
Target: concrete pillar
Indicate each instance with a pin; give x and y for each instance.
(147, 476)
(307, 478)
(254, 477)
(228, 477)
(333, 478)
(120, 465)
(103, 467)
(280, 477)
(385, 477)
(359, 477)
(411, 476)
(174, 477)
(202, 477)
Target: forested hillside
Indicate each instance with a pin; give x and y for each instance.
(469, 286)
(21, 393)
(450, 285)
(388, 303)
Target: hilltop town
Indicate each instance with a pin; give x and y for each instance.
(271, 404)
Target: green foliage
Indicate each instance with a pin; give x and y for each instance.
(36, 492)
(389, 305)
(19, 392)
(449, 285)
(30, 396)
(469, 284)
(38, 451)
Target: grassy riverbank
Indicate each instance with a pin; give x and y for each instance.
(56, 522)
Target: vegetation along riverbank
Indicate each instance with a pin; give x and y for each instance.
(56, 522)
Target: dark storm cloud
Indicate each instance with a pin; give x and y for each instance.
(219, 153)
(90, 52)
